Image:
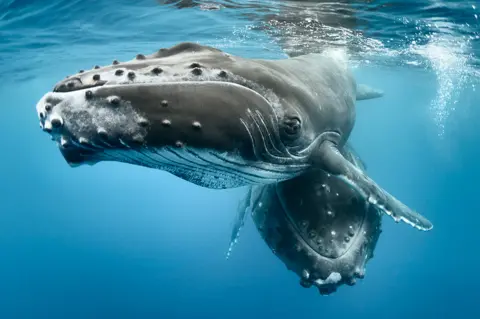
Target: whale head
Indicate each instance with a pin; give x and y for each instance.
(185, 110)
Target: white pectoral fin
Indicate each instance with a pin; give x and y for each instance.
(334, 163)
(239, 221)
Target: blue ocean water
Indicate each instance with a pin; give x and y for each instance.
(119, 241)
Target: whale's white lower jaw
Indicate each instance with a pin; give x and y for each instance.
(206, 168)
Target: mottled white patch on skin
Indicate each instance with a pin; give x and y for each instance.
(332, 279)
(83, 118)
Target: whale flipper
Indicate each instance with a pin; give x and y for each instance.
(239, 221)
(352, 155)
(333, 162)
(365, 92)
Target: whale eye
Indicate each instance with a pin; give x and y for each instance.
(291, 126)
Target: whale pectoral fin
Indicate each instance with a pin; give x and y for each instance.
(333, 162)
(352, 156)
(364, 92)
(239, 221)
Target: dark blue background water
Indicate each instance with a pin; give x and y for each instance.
(119, 241)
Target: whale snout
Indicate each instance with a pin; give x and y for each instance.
(85, 126)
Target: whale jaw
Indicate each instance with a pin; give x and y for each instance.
(209, 133)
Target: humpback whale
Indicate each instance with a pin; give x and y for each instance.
(217, 120)
(279, 127)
